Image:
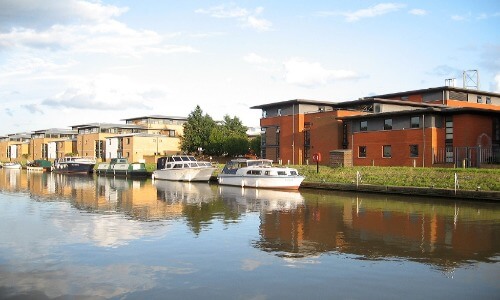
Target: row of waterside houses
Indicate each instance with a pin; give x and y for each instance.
(137, 140)
(443, 126)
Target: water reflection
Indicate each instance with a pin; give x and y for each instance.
(443, 233)
(251, 199)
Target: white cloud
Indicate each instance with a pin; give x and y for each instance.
(110, 37)
(258, 24)
(418, 12)
(42, 14)
(311, 74)
(458, 18)
(497, 83)
(247, 18)
(105, 92)
(377, 10)
(255, 59)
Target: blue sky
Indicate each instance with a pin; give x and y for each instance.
(64, 63)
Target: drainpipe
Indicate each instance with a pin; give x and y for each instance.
(423, 134)
(293, 134)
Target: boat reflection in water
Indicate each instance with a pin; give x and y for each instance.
(254, 199)
(182, 192)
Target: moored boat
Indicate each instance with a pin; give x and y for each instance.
(74, 164)
(12, 166)
(183, 168)
(39, 165)
(259, 173)
(121, 167)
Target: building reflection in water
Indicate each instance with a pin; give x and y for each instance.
(432, 231)
(443, 233)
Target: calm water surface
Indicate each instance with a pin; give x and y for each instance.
(93, 237)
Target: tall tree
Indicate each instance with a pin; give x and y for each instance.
(197, 131)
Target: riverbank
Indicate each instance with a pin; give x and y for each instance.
(482, 184)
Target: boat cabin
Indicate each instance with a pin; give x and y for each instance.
(180, 162)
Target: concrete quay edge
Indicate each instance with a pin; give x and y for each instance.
(415, 191)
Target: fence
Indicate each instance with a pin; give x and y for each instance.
(466, 157)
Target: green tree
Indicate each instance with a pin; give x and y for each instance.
(197, 131)
(255, 145)
(217, 138)
(236, 145)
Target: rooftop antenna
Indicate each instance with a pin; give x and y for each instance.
(471, 79)
(449, 82)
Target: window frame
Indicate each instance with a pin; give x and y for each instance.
(363, 128)
(384, 147)
(413, 124)
(388, 126)
(414, 151)
(361, 152)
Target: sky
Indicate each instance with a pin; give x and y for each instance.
(72, 62)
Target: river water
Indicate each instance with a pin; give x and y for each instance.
(92, 237)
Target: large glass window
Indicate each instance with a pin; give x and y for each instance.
(387, 124)
(387, 151)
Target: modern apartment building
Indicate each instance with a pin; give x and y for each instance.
(443, 126)
(14, 146)
(159, 124)
(137, 146)
(91, 138)
(51, 143)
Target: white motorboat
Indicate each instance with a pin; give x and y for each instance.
(259, 173)
(183, 168)
(12, 165)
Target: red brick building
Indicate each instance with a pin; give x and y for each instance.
(444, 126)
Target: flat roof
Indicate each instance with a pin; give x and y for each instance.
(293, 101)
(424, 110)
(157, 117)
(106, 125)
(437, 89)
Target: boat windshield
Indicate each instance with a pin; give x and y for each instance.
(260, 163)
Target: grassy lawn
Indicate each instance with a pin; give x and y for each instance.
(468, 179)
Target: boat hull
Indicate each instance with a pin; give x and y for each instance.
(275, 182)
(74, 168)
(12, 166)
(124, 169)
(187, 174)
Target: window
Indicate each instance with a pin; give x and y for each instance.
(449, 130)
(362, 151)
(387, 151)
(479, 99)
(488, 100)
(387, 124)
(413, 150)
(128, 142)
(363, 126)
(279, 112)
(415, 122)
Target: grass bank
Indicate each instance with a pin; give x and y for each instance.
(468, 179)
